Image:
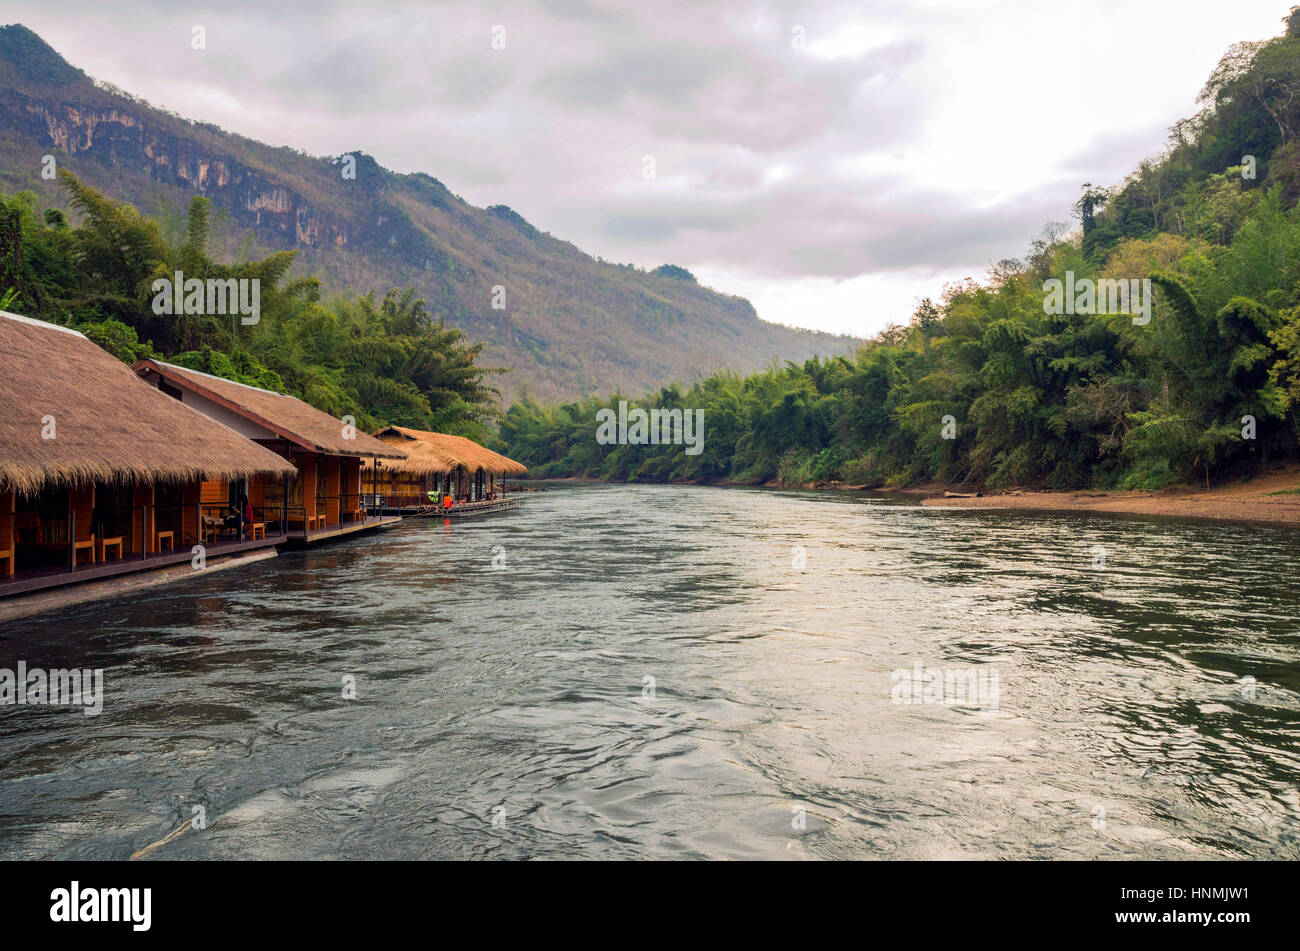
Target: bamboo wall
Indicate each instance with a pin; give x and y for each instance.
(257, 495)
(307, 469)
(215, 493)
(350, 482)
(332, 490)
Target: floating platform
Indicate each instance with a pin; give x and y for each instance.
(48, 589)
(40, 579)
(298, 538)
(78, 590)
(459, 510)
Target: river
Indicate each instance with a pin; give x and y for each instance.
(659, 671)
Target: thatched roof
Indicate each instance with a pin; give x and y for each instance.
(109, 425)
(287, 417)
(437, 453)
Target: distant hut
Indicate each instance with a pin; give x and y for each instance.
(437, 465)
(99, 473)
(325, 499)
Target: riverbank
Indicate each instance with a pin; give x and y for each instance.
(1273, 497)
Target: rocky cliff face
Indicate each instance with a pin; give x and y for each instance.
(572, 325)
(125, 141)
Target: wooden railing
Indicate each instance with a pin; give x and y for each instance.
(332, 511)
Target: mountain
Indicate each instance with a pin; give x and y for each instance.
(572, 325)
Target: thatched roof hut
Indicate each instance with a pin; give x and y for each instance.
(439, 453)
(285, 416)
(108, 425)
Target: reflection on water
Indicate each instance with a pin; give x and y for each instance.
(651, 675)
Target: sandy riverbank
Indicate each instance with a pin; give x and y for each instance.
(1252, 501)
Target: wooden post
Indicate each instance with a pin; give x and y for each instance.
(72, 537)
(13, 530)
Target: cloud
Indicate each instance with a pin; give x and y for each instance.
(846, 152)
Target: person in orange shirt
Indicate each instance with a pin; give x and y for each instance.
(448, 501)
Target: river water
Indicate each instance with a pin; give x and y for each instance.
(662, 671)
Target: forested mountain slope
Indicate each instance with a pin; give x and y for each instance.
(1000, 383)
(571, 325)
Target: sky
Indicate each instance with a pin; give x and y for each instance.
(833, 162)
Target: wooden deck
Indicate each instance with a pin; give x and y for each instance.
(460, 510)
(298, 537)
(41, 579)
(55, 599)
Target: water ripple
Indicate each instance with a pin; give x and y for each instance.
(656, 673)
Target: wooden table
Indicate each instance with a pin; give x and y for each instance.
(106, 543)
(171, 541)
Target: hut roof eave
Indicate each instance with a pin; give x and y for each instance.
(431, 453)
(105, 423)
(288, 417)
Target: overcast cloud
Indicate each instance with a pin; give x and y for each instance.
(833, 181)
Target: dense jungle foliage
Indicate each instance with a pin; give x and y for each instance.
(987, 387)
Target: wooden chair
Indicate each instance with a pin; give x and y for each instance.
(169, 537)
(106, 543)
(89, 544)
(257, 525)
(7, 558)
